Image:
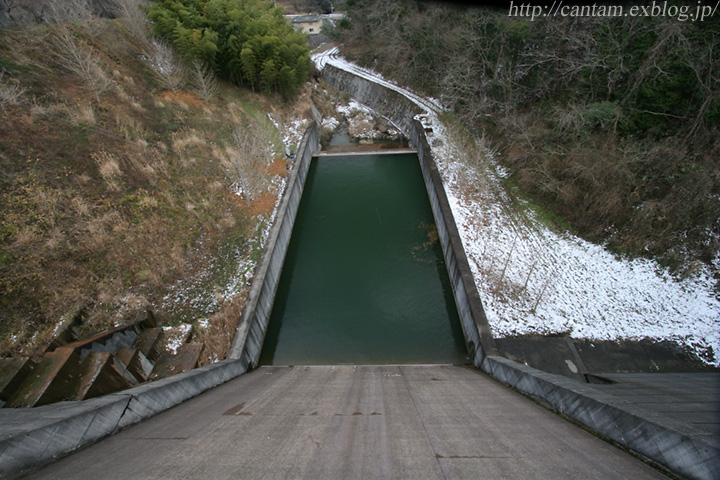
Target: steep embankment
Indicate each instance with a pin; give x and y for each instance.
(129, 181)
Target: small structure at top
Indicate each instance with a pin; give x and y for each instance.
(309, 24)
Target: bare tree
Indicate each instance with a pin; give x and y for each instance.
(132, 15)
(706, 71)
(64, 11)
(80, 61)
(70, 11)
(203, 80)
(249, 160)
(168, 68)
(670, 36)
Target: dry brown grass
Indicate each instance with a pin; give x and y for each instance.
(187, 140)
(109, 169)
(129, 125)
(81, 113)
(183, 99)
(278, 167)
(217, 337)
(302, 107)
(97, 206)
(324, 102)
(26, 236)
(81, 207)
(10, 93)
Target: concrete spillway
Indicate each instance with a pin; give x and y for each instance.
(364, 281)
(366, 422)
(353, 423)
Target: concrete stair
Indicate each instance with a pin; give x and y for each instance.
(102, 373)
(52, 380)
(171, 364)
(107, 341)
(13, 371)
(103, 363)
(136, 363)
(148, 343)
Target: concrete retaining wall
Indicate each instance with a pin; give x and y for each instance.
(478, 335)
(251, 330)
(393, 106)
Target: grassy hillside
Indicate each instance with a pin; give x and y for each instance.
(126, 185)
(611, 124)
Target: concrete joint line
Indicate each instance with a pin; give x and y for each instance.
(122, 415)
(422, 422)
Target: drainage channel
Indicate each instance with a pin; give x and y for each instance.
(364, 280)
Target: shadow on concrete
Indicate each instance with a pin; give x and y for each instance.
(587, 360)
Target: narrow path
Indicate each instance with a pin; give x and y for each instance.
(348, 422)
(332, 56)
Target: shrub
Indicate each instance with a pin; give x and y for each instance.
(601, 115)
(9, 93)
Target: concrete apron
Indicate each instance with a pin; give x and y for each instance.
(354, 422)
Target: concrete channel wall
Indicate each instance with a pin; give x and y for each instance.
(678, 448)
(389, 103)
(673, 449)
(250, 334)
(478, 336)
(33, 437)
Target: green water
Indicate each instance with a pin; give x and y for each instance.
(364, 281)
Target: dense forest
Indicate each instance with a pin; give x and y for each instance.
(610, 123)
(248, 42)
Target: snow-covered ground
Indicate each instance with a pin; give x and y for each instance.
(291, 132)
(533, 280)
